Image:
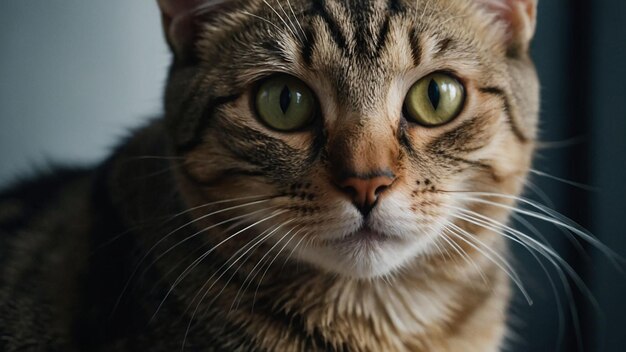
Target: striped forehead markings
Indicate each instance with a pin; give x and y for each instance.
(361, 13)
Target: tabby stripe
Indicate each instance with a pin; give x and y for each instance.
(185, 125)
(467, 161)
(395, 7)
(443, 46)
(296, 323)
(319, 9)
(404, 138)
(500, 93)
(382, 36)
(273, 47)
(488, 168)
(203, 121)
(456, 139)
(308, 46)
(226, 174)
(361, 11)
(416, 48)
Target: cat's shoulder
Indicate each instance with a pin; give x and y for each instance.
(27, 197)
(44, 226)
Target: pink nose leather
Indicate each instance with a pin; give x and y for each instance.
(365, 191)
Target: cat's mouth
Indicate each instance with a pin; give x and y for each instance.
(365, 235)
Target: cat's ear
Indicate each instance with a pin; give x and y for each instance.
(519, 18)
(181, 19)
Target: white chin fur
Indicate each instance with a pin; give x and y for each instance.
(409, 237)
(362, 260)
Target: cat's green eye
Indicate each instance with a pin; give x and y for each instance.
(285, 103)
(435, 100)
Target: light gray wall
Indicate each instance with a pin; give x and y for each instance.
(74, 75)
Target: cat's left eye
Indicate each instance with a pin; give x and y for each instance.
(285, 103)
(435, 100)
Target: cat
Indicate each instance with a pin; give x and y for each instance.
(327, 175)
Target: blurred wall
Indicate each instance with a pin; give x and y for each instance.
(74, 75)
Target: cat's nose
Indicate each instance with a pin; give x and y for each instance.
(365, 190)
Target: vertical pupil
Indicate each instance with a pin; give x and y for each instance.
(285, 99)
(434, 94)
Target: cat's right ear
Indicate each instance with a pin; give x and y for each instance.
(519, 19)
(181, 21)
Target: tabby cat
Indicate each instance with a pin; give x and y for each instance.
(327, 176)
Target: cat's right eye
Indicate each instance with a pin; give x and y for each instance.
(285, 103)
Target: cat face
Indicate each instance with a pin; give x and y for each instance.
(353, 130)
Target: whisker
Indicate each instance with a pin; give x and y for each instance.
(237, 253)
(501, 262)
(197, 261)
(141, 261)
(528, 243)
(525, 240)
(544, 198)
(245, 286)
(281, 18)
(556, 219)
(292, 25)
(272, 262)
(295, 18)
(305, 235)
(462, 252)
(190, 237)
(222, 275)
(567, 182)
(443, 251)
(564, 282)
(262, 19)
(201, 248)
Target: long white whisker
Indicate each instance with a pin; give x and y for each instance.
(272, 262)
(544, 198)
(190, 237)
(294, 249)
(567, 182)
(442, 249)
(292, 25)
(564, 282)
(525, 240)
(206, 292)
(171, 233)
(295, 18)
(461, 252)
(245, 286)
(201, 248)
(547, 252)
(507, 267)
(234, 257)
(556, 219)
(197, 261)
(501, 262)
(262, 19)
(281, 19)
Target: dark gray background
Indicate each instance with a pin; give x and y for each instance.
(74, 75)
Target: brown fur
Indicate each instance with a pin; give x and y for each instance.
(298, 288)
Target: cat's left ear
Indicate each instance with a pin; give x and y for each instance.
(181, 19)
(519, 18)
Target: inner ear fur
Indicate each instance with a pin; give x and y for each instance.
(181, 22)
(519, 18)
